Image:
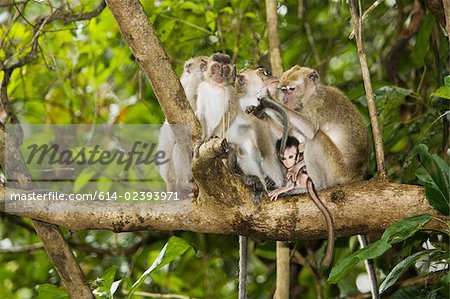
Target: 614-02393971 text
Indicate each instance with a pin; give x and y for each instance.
(97, 195)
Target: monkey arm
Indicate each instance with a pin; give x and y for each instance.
(273, 195)
(266, 102)
(301, 123)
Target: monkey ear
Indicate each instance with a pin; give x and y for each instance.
(187, 67)
(241, 79)
(314, 77)
(204, 65)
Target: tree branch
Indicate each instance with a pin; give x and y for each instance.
(376, 132)
(354, 209)
(152, 58)
(273, 36)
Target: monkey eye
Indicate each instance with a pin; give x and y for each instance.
(283, 159)
(291, 87)
(291, 156)
(216, 66)
(283, 89)
(241, 80)
(227, 69)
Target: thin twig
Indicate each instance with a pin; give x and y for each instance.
(377, 137)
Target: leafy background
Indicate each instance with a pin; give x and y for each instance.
(85, 73)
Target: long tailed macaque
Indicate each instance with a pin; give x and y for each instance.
(248, 86)
(176, 172)
(249, 138)
(337, 145)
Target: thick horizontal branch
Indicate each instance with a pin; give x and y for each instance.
(360, 208)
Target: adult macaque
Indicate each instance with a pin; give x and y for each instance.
(336, 141)
(177, 171)
(248, 85)
(248, 137)
(336, 146)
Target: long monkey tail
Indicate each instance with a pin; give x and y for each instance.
(330, 225)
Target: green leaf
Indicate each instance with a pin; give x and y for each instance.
(393, 234)
(405, 228)
(48, 291)
(345, 266)
(442, 92)
(107, 286)
(173, 249)
(408, 293)
(434, 174)
(401, 267)
(211, 17)
(227, 9)
(108, 276)
(195, 8)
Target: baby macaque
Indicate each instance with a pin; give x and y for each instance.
(292, 159)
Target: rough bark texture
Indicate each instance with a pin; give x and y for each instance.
(152, 58)
(62, 257)
(54, 243)
(377, 137)
(360, 208)
(273, 37)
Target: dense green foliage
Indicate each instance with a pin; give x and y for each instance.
(85, 73)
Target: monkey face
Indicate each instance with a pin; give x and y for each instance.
(251, 81)
(291, 94)
(289, 157)
(296, 85)
(196, 65)
(220, 72)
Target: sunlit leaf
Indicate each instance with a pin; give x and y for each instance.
(394, 234)
(48, 291)
(173, 249)
(442, 92)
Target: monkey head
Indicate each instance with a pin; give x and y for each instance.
(297, 85)
(252, 80)
(220, 70)
(292, 152)
(196, 65)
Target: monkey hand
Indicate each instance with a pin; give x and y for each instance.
(250, 109)
(273, 195)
